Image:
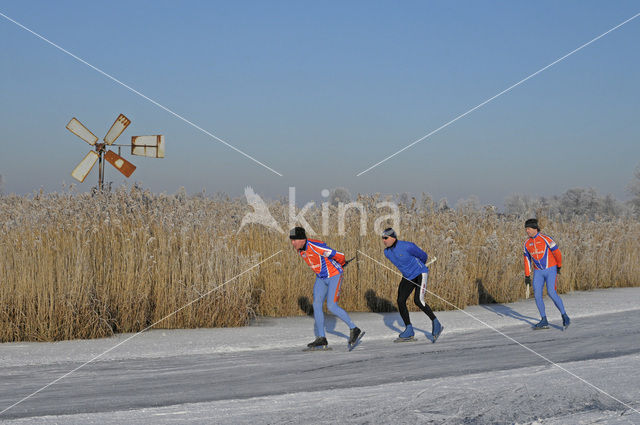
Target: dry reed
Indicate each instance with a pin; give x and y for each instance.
(86, 266)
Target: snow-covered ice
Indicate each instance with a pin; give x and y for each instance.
(258, 374)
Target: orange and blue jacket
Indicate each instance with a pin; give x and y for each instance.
(542, 251)
(323, 260)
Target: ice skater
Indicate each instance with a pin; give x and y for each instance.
(327, 264)
(410, 261)
(546, 257)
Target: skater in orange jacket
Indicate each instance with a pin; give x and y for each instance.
(327, 264)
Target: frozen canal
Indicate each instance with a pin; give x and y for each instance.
(258, 375)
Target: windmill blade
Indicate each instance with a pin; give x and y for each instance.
(116, 129)
(81, 131)
(124, 166)
(150, 146)
(80, 172)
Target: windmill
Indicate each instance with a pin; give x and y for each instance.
(149, 146)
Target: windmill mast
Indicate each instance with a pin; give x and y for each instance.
(100, 150)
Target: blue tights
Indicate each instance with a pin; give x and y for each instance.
(549, 276)
(329, 289)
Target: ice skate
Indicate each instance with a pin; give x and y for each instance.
(542, 324)
(406, 335)
(319, 344)
(354, 338)
(436, 329)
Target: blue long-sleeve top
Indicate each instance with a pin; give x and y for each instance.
(408, 258)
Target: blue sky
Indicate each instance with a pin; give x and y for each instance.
(321, 91)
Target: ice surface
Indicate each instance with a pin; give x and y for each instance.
(258, 374)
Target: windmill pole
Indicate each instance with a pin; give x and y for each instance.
(100, 149)
(100, 171)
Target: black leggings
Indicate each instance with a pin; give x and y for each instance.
(404, 290)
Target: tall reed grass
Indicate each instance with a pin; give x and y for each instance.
(87, 266)
(90, 265)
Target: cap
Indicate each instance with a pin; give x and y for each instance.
(532, 223)
(389, 232)
(297, 233)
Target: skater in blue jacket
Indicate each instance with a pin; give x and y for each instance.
(410, 260)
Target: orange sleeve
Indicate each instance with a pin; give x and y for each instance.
(527, 261)
(527, 265)
(558, 256)
(340, 258)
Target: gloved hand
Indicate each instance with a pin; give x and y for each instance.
(559, 267)
(527, 280)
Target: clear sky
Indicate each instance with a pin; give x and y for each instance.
(320, 91)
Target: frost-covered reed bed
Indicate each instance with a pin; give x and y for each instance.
(86, 266)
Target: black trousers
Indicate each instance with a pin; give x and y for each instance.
(404, 290)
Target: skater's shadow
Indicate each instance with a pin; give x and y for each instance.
(329, 319)
(503, 310)
(305, 305)
(484, 297)
(486, 301)
(383, 306)
(377, 304)
(427, 335)
(330, 326)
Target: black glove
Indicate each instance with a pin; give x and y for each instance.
(559, 267)
(527, 280)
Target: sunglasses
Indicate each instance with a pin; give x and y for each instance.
(385, 237)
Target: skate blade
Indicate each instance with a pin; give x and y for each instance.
(410, 339)
(355, 344)
(324, 348)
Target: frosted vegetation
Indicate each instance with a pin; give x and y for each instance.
(86, 265)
